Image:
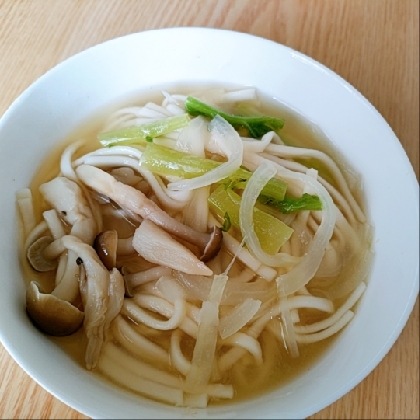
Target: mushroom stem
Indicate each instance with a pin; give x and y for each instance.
(37, 256)
(157, 246)
(68, 286)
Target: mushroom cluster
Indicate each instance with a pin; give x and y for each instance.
(89, 289)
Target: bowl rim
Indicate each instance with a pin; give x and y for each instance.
(298, 55)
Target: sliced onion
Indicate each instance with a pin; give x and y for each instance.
(203, 355)
(221, 130)
(238, 317)
(198, 288)
(300, 275)
(253, 188)
(191, 138)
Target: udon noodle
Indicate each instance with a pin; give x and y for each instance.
(195, 249)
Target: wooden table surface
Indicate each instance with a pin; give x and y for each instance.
(374, 44)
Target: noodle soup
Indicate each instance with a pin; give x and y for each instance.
(196, 247)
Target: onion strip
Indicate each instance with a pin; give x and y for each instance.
(253, 188)
(223, 132)
(239, 316)
(205, 346)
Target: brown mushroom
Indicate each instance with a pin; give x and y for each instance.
(213, 245)
(136, 202)
(105, 245)
(37, 258)
(52, 315)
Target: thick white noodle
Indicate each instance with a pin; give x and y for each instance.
(175, 200)
(137, 344)
(151, 274)
(257, 146)
(328, 332)
(141, 368)
(336, 195)
(134, 308)
(246, 342)
(113, 369)
(328, 322)
(161, 306)
(299, 152)
(178, 359)
(66, 166)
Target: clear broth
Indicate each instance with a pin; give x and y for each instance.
(297, 132)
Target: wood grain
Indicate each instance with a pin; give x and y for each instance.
(373, 44)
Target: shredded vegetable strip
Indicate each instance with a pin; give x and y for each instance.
(205, 346)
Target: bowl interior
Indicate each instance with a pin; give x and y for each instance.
(68, 94)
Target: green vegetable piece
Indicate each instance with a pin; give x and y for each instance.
(227, 223)
(164, 161)
(257, 126)
(168, 162)
(271, 232)
(290, 204)
(141, 134)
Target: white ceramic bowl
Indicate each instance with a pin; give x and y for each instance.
(64, 97)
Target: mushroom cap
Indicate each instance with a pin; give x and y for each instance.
(105, 245)
(35, 256)
(52, 315)
(214, 244)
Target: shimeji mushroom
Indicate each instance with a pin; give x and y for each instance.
(39, 260)
(102, 294)
(67, 199)
(50, 314)
(105, 245)
(157, 246)
(135, 201)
